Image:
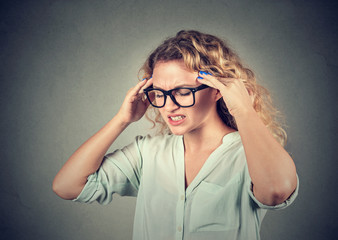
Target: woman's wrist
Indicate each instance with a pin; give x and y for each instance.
(245, 113)
(121, 121)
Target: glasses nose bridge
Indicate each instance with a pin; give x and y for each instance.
(170, 94)
(172, 97)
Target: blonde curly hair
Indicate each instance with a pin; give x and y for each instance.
(205, 52)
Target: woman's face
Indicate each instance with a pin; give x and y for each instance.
(173, 74)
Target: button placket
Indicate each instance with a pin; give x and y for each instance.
(180, 216)
(180, 207)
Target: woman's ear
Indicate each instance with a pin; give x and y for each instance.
(218, 95)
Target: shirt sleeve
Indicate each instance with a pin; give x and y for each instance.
(282, 205)
(120, 172)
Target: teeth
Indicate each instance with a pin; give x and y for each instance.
(177, 118)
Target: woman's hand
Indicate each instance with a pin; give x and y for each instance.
(235, 95)
(135, 104)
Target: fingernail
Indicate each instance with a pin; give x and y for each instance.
(206, 73)
(199, 77)
(144, 79)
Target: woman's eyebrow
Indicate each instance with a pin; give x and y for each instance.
(178, 86)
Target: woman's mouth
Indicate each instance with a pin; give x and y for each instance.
(176, 120)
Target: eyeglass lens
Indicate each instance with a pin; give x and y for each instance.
(184, 97)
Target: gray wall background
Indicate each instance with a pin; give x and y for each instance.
(66, 66)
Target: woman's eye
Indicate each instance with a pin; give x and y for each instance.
(183, 93)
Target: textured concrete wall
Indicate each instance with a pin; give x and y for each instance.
(66, 65)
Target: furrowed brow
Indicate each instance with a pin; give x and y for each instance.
(178, 86)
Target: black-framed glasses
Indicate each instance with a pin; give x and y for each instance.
(182, 96)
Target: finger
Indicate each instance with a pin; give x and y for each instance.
(203, 78)
(205, 82)
(139, 85)
(214, 82)
(149, 82)
(135, 90)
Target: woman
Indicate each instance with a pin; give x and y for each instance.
(219, 168)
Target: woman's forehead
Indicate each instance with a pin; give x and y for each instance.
(172, 74)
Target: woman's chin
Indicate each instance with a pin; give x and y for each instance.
(177, 131)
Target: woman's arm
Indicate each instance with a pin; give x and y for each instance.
(70, 180)
(272, 170)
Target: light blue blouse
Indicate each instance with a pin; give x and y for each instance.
(218, 204)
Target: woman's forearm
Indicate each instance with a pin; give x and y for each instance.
(70, 180)
(271, 168)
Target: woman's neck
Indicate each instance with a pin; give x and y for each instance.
(206, 138)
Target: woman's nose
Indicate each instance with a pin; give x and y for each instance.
(170, 105)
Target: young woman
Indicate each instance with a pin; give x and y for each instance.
(218, 163)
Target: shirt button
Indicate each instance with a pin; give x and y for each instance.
(179, 228)
(182, 197)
